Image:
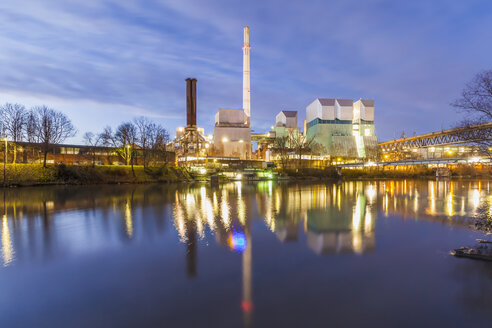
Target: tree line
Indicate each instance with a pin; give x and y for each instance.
(46, 126)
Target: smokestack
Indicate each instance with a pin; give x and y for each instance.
(191, 102)
(246, 75)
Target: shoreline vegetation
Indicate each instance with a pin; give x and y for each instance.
(18, 175)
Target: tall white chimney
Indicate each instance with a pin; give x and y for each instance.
(246, 77)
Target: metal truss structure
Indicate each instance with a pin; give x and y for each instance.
(469, 134)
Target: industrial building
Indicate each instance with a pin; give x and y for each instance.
(232, 132)
(342, 128)
(286, 124)
(191, 140)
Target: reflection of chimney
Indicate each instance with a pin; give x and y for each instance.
(191, 102)
(191, 251)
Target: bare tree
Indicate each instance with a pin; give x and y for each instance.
(123, 140)
(94, 142)
(52, 127)
(158, 139)
(145, 129)
(281, 147)
(301, 145)
(476, 98)
(476, 102)
(30, 127)
(13, 119)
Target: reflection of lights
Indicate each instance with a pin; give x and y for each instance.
(237, 241)
(462, 211)
(334, 197)
(247, 306)
(277, 202)
(239, 176)
(190, 203)
(432, 197)
(270, 189)
(224, 209)
(128, 219)
(357, 242)
(371, 193)
(7, 248)
(199, 227)
(356, 217)
(476, 198)
(489, 201)
(449, 205)
(368, 222)
(386, 201)
(241, 206)
(216, 204)
(179, 221)
(208, 212)
(339, 196)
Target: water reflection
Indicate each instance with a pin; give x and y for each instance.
(43, 225)
(335, 218)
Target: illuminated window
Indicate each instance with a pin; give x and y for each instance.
(368, 132)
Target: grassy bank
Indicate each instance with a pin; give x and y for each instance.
(378, 173)
(36, 174)
(415, 173)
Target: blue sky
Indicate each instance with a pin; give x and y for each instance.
(105, 61)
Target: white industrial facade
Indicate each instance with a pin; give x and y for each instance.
(232, 134)
(287, 118)
(342, 127)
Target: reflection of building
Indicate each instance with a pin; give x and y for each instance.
(287, 232)
(342, 231)
(342, 127)
(340, 242)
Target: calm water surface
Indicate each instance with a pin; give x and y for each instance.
(353, 254)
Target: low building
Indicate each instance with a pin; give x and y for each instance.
(28, 152)
(286, 124)
(342, 127)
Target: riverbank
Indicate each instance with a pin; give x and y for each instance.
(36, 174)
(370, 173)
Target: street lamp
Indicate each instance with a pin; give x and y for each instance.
(5, 162)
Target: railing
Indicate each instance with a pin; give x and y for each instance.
(469, 134)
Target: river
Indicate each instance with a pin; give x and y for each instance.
(349, 254)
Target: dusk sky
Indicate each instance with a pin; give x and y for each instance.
(105, 61)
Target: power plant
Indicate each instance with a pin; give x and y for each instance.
(333, 128)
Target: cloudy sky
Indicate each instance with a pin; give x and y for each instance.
(105, 61)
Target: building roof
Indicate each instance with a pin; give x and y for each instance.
(289, 113)
(367, 102)
(345, 102)
(327, 101)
